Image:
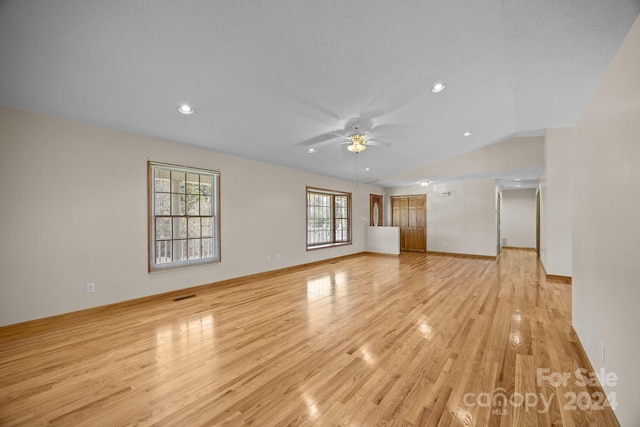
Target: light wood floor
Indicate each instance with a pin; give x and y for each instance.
(369, 340)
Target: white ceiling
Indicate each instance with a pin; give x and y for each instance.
(265, 76)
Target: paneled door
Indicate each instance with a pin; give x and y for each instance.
(410, 214)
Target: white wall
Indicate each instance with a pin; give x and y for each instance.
(74, 211)
(518, 218)
(383, 240)
(555, 203)
(606, 234)
(464, 222)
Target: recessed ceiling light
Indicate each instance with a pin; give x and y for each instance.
(518, 185)
(438, 87)
(517, 179)
(467, 133)
(186, 109)
(424, 183)
(367, 169)
(311, 150)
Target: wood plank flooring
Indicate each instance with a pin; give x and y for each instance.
(415, 340)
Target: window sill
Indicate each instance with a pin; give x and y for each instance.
(328, 245)
(183, 264)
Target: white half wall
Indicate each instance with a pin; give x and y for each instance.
(463, 222)
(74, 211)
(518, 218)
(606, 232)
(383, 240)
(555, 203)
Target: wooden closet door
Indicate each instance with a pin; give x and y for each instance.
(417, 223)
(403, 222)
(409, 213)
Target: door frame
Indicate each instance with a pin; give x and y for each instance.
(373, 198)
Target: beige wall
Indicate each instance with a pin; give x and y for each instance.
(464, 222)
(555, 203)
(606, 234)
(515, 154)
(518, 217)
(74, 211)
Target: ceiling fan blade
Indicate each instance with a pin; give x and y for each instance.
(319, 139)
(397, 130)
(341, 133)
(339, 140)
(301, 105)
(378, 143)
(372, 114)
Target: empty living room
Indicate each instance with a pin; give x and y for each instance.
(354, 213)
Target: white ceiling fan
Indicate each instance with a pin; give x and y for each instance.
(357, 134)
(360, 132)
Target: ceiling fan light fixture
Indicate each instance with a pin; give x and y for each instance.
(358, 143)
(356, 148)
(438, 87)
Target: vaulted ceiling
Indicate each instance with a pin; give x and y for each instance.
(270, 79)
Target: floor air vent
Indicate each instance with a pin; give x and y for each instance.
(184, 297)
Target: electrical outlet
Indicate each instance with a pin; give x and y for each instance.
(268, 258)
(278, 257)
(91, 287)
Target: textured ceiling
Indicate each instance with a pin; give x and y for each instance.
(266, 76)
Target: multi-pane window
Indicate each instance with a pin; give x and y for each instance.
(183, 216)
(328, 218)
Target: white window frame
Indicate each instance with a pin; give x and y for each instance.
(194, 229)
